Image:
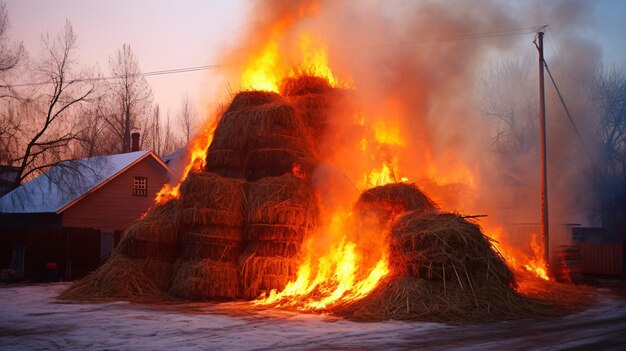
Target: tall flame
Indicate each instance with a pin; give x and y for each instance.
(516, 259)
(338, 276)
(196, 156)
(347, 270)
(268, 69)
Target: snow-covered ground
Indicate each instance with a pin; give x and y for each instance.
(32, 319)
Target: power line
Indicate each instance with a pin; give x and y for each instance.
(143, 74)
(481, 35)
(569, 115)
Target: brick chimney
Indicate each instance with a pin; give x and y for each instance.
(134, 141)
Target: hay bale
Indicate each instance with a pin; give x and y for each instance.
(275, 232)
(162, 230)
(279, 138)
(274, 162)
(209, 190)
(221, 244)
(304, 84)
(273, 248)
(284, 200)
(253, 98)
(319, 110)
(231, 131)
(209, 199)
(445, 247)
(388, 201)
(264, 138)
(249, 133)
(262, 274)
(154, 239)
(314, 110)
(205, 280)
(121, 277)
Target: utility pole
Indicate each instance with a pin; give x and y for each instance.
(544, 167)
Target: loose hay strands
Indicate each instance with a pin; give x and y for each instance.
(123, 278)
(409, 298)
(445, 246)
(205, 280)
(304, 83)
(284, 200)
(566, 297)
(253, 98)
(388, 201)
(262, 274)
(170, 211)
(446, 270)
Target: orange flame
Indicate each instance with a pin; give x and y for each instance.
(268, 69)
(196, 156)
(344, 271)
(338, 276)
(517, 259)
(297, 171)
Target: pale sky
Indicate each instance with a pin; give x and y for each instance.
(162, 34)
(167, 34)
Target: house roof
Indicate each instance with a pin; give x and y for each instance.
(68, 182)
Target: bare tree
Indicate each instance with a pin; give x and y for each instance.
(162, 137)
(508, 101)
(10, 53)
(132, 97)
(52, 128)
(10, 125)
(187, 118)
(96, 139)
(155, 130)
(609, 101)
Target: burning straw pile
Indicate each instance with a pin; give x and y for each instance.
(237, 230)
(443, 268)
(238, 227)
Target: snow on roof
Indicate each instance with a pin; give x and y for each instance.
(66, 182)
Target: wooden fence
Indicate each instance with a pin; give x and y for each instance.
(602, 258)
(76, 251)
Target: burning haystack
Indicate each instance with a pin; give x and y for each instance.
(443, 268)
(238, 228)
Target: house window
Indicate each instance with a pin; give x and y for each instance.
(140, 186)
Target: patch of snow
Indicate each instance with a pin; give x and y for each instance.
(32, 318)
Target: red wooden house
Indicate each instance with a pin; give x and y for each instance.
(72, 214)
